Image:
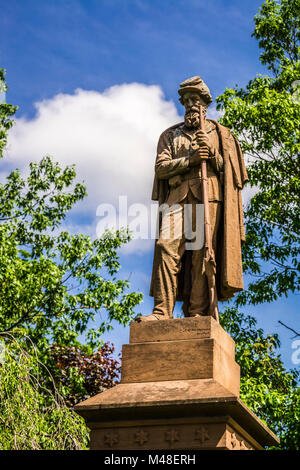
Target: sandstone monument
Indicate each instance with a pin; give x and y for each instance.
(180, 383)
(198, 161)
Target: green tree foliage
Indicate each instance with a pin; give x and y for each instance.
(33, 417)
(53, 284)
(265, 116)
(277, 29)
(266, 386)
(6, 111)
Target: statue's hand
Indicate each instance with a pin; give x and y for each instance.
(201, 153)
(202, 139)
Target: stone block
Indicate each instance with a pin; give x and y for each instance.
(179, 360)
(181, 329)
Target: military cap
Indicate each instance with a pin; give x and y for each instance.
(195, 84)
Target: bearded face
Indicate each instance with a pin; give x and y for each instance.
(192, 118)
(192, 102)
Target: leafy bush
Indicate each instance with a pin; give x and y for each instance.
(80, 375)
(32, 417)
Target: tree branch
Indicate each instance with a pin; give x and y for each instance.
(291, 329)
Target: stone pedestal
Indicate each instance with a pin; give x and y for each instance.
(179, 390)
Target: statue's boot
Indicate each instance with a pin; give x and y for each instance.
(152, 317)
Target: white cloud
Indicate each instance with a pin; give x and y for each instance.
(110, 136)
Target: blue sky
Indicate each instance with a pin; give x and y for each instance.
(144, 49)
(57, 46)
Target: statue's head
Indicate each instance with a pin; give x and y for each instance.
(193, 93)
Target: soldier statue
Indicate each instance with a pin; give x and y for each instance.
(199, 163)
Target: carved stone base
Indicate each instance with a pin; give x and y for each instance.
(196, 434)
(179, 390)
